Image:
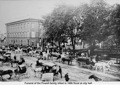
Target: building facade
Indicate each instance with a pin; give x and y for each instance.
(24, 32)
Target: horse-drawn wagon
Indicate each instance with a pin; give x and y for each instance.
(67, 58)
(51, 68)
(42, 67)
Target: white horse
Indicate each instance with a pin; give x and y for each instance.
(102, 66)
(45, 55)
(31, 53)
(63, 55)
(37, 70)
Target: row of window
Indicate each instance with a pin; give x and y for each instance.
(21, 27)
(21, 34)
(21, 42)
(18, 41)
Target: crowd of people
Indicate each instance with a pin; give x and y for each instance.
(16, 60)
(15, 57)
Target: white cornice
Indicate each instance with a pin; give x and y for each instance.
(24, 20)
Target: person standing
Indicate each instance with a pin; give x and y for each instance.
(67, 77)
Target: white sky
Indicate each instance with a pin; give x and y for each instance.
(13, 10)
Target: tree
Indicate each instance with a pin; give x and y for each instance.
(58, 23)
(93, 24)
(86, 22)
(114, 20)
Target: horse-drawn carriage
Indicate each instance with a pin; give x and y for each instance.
(55, 54)
(83, 59)
(46, 68)
(21, 70)
(67, 58)
(51, 69)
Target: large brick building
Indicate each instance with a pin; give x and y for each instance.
(24, 32)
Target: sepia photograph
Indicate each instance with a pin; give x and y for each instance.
(59, 40)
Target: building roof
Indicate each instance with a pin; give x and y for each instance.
(24, 20)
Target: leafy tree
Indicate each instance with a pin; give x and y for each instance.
(86, 22)
(58, 23)
(93, 24)
(114, 20)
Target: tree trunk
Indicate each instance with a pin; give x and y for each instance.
(59, 47)
(92, 49)
(42, 44)
(83, 44)
(52, 42)
(73, 45)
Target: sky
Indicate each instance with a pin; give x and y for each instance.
(14, 10)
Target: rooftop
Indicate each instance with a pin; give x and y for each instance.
(24, 20)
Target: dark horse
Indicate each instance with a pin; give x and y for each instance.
(6, 72)
(39, 63)
(69, 59)
(6, 59)
(85, 60)
(95, 78)
(57, 71)
(20, 70)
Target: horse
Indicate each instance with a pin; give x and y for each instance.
(38, 63)
(22, 60)
(83, 60)
(21, 70)
(68, 58)
(5, 59)
(95, 78)
(45, 55)
(57, 55)
(102, 66)
(37, 67)
(37, 70)
(14, 61)
(6, 72)
(39, 55)
(57, 70)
